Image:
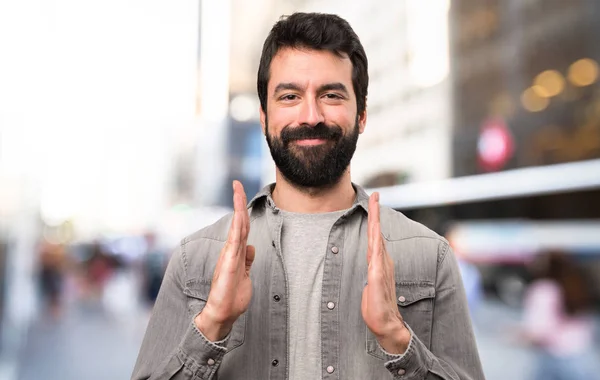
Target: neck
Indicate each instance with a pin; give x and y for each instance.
(292, 198)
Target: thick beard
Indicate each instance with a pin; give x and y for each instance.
(315, 167)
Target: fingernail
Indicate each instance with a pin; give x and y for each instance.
(377, 197)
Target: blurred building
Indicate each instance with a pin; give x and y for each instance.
(245, 148)
(228, 142)
(525, 83)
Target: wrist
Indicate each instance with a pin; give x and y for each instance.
(396, 340)
(212, 330)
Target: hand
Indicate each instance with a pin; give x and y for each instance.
(231, 288)
(379, 308)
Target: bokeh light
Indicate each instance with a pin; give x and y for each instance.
(533, 102)
(583, 72)
(550, 82)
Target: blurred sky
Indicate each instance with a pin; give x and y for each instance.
(91, 96)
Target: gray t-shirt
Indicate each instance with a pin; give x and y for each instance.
(304, 244)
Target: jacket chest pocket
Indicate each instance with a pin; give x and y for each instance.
(415, 303)
(197, 294)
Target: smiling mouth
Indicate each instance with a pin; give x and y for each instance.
(310, 142)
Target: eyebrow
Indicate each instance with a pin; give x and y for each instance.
(336, 86)
(287, 86)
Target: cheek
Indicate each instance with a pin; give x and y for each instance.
(280, 118)
(341, 116)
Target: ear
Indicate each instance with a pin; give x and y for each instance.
(263, 118)
(362, 121)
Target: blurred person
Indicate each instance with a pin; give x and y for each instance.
(98, 270)
(316, 280)
(51, 274)
(558, 320)
(471, 277)
(153, 266)
(473, 284)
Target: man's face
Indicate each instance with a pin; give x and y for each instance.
(311, 123)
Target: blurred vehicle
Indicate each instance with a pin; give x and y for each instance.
(503, 250)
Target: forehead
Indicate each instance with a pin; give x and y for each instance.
(309, 67)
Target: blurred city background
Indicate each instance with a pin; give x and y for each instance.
(123, 123)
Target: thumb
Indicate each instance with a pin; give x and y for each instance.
(250, 251)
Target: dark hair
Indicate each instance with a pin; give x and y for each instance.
(316, 31)
(557, 266)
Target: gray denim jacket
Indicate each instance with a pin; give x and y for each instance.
(429, 291)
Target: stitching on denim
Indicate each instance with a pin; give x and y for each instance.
(444, 253)
(184, 258)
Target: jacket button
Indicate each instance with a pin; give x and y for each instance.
(335, 250)
(330, 369)
(401, 298)
(275, 363)
(277, 298)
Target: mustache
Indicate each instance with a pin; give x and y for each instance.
(319, 131)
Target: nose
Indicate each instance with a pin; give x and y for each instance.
(310, 112)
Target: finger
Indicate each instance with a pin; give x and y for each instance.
(374, 273)
(243, 192)
(245, 220)
(234, 237)
(370, 224)
(371, 244)
(376, 226)
(244, 211)
(376, 241)
(250, 253)
(238, 195)
(375, 261)
(232, 225)
(377, 264)
(375, 207)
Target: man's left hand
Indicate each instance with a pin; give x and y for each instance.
(379, 308)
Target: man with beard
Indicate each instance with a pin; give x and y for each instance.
(311, 279)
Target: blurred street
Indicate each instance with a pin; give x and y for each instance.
(500, 359)
(500, 356)
(92, 343)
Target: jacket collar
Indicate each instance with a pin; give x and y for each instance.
(361, 200)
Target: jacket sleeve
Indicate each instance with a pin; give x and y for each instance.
(453, 353)
(173, 348)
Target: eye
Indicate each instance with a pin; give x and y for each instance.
(288, 97)
(333, 96)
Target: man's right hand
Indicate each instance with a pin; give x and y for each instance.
(231, 288)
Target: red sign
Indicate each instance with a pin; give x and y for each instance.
(495, 145)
